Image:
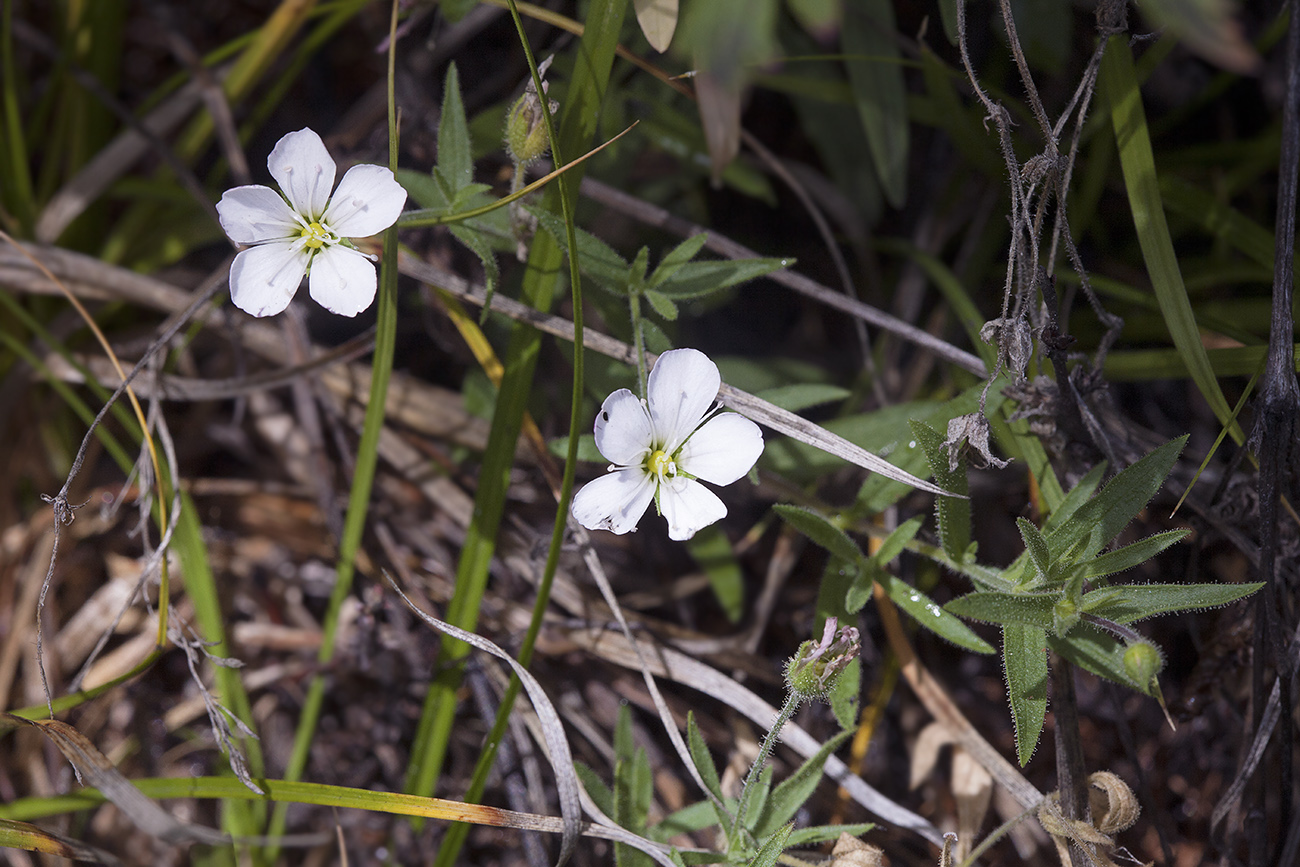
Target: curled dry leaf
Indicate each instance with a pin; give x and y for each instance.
(852, 852)
(974, 430)
(1012, 336)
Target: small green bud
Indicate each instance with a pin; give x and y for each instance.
(816, 665)
(1142, 662)
(526, 138)
(1065, 614)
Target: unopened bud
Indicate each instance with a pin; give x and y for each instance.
(816, 665)
(1142, 662)
(526, 137)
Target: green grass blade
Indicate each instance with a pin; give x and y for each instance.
(1120, 87)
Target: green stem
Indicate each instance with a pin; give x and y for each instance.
(638, 339)
(792, 702)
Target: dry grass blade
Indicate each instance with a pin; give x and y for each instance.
(566, 780)
(94, 769)
(755, 408)
(21, 835)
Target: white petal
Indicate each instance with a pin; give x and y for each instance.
(264, 279)
(367, 201)
(342, 280)
(682, 387)
(688, 507)
(303, 168)
(722, 450)
(615, 501)
(623, 432)
(255, 214)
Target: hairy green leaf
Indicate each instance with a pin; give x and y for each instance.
(790, 794)
(953, 513)
(1131, 602)
(1131, 555)
(455, 159)
(1030, 609)
(1024, 655)
(820, 531)
(927, 612)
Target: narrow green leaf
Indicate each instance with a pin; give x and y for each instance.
(927, 613)
(1131, 602)
(793, 791)
(675, 258)
(455, 155)
(845, 695)
(1097, 651)
(876, 74)
(821, 531)
(772, 848)
(1119, 86)
(815, 834)
(1036, 545)
(596, 259)
(954, 516)
(1131, 555)
(1102, 518)
(687, 820)
(896, 541)
(1075, 498)
(480, 247)
(601, 794)
(712, 550)
(1029, 609)
(701, 279)
(662, 304)
(633, 788)
(1024, 655)
(754, 797)
(702, 758)
(801, 396)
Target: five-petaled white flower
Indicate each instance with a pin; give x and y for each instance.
(659, 448)
(308, 232)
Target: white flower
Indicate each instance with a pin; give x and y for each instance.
(307, 233)
(659, 448)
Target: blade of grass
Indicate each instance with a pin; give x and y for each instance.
(1119, 85)
(20, 201)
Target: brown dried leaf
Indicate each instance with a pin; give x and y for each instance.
(658, 20)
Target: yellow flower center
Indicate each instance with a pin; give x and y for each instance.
(317, 236)
(661, 464)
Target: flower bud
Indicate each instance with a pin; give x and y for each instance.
(816, 665)
(1142, 662)
(526, 138)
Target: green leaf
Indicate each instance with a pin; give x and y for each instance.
(661, 303)
(1102, 518)
(1097, 651)
(988, 606)
(844, 695)
(675, 258)
(797, 398)
(424, 190)
(480, 247)
(713, 552)
(953, 514)
(699, 279)
(1036, 545)
(896, 541)
(815, 834)
(687, 820)
(876, 74)
(1119, 88)
(601, 794)
(820, 531)
(596, 259)
(1075, 498)
(1209, 28)
(1131, 602)
(703, 759)
(1024, 655)
(754, 797)
(455, 160)
(633, 788)
(1131, 555)
(772, 848)
(927, 612)
(790, 795)
(587, 450)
